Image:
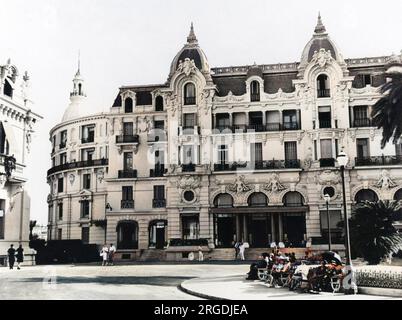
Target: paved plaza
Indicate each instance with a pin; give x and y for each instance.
(143, 281)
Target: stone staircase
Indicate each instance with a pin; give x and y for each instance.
(153, 255)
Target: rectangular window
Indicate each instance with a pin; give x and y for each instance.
(50, 213)
(315, 150)
(85, 235)
(362, 148)
(360, 115)
(127, 193)
(290, 150)
(335, 217)
(63, 158)
(326, 148)
(367, 79)
(290, 120)
(59, 234)
(324, 116)
(256, 152)
(159, 124)
(189, 120)
(86, 181)
(87, 154)
(190, 226)
(88, 133)
(222, 121)
(223, 156)
(159, 197)
(398, 149)
(60, 211)
(60, 185)
(188, 154)
(128, 161)
(85, 209)
(128, 129)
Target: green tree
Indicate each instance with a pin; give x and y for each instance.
(387, 111)
(372, 231)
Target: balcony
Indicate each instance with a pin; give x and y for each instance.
(157, 172)
(273, 126)
(127, 204)
(327, 162)
(62, 145)
(256, 127)
(364, 122)
(133, 138)
(323, 93)
(189, 167)
(378, 161)
(128, 174)
(325, 124)
(291, 126)
(78, 164)
(158, 203)
(258, 165)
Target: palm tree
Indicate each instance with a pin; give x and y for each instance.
(387, 111)
(373, 234)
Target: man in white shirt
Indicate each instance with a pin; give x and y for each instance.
(112, 250)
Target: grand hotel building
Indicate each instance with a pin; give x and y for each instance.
(223, 154)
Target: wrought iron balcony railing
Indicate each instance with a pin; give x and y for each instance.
(127, 204)
(133, 138)
(78, 164)
(327, 162)
(89, 139)
(324, 124)
(323, 93)
(158, 203)
(255, 97)
(157, 171)
(189, 167)
(277, 126)
(128, 173)
(258, 165)
(378, 161)
(365, 122)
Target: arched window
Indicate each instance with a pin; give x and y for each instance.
(254, 91)
(293, 199)
(189, 94)
(159, 103)
(80, 89)
(8, 89)
(127, 235)
(128, 105)
(323, 86)
(366, 195)
(257, 199)
(223, 200)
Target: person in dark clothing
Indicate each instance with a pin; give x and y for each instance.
(20, 256)
(11, 256)
(260, 264)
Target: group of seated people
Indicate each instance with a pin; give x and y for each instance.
(312, 273)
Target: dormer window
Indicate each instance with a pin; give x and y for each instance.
(159, 103)
(189, 94)
(8, 89)
(128, 105)
(254, 91)
(323, 86)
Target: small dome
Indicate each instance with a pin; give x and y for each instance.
(77, 107)
(192, 51)
(320, 40)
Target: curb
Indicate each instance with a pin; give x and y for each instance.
(395, 293)
(197, 294)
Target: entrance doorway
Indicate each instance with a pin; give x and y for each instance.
(259, 230)
(157, 233)
(294, 229)
(127, 235)
(225, 230)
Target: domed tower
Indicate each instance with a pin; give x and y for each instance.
(77, 98)
(192, 51)
(319, 41)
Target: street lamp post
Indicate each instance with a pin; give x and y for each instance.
(349, 288)
(327, 198)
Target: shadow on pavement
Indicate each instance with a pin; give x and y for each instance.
(121, 280)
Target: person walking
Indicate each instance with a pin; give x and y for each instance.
(242, 248)
(11, 256)
(112, 250)
(104, 254)
(200, 254)
(236, 247)
(20, 256)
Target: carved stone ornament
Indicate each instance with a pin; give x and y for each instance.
(329, 177)
(188, 182)
(100, 175)
(322, 57)
(71, 178)
(239, 185)
(274, 185)
(385, 181)
(188, 66)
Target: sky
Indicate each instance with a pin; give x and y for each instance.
(129, 42)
